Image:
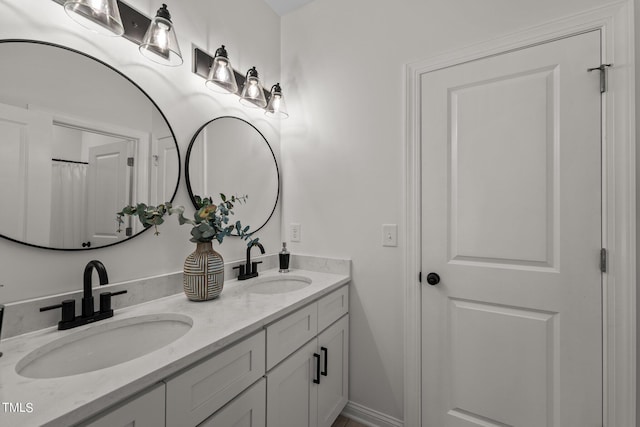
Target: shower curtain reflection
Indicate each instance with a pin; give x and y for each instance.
(68, 204)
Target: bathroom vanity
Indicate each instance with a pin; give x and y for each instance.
(267, 352)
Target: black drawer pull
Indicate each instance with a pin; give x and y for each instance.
(316, 380)
(326, 355)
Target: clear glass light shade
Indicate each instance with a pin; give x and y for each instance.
(99, 16)
(221, 77)
(160, 43)
(276, 107)
(252, 93)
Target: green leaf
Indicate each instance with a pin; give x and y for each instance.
(156, 220)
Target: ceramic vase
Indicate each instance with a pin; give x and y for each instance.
(203, 273)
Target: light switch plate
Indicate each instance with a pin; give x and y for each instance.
(390, 235)
(294, 233)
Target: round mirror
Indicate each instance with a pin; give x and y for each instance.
(78, 142)
(229, 155)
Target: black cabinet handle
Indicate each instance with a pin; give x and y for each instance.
(326, 355)
(316, 380)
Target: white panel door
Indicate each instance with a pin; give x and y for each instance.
(25, 166)
(108, 181)
(511, 222)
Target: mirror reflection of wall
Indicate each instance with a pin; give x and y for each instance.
(229, 155)
(111, 146)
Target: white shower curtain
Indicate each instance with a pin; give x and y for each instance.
(68, 205)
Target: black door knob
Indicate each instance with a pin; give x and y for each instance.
(433, 279)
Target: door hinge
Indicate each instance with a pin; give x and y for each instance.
(603, 76)
(603, 260)
(129, 161)
(420, 277)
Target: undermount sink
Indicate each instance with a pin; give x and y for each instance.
(104, 345)
(278, 284)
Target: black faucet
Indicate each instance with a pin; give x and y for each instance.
(69, 318)
(250, 269)
(87, 296)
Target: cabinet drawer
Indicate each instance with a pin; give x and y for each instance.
(288, 334)
(332, 307)
(249, 409)
(199, 392)
(146, 410)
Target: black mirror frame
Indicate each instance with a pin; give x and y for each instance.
(188, 157)
(175, 141)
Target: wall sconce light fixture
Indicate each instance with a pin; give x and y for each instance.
(252, 93)
(221, 77)
(99, 16)
(276, 106)
(160, 43)
(204, 66)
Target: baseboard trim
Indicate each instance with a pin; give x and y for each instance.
(369, 417)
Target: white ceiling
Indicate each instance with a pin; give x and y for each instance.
(282, 7)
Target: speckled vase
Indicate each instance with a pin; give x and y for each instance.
(203, 273)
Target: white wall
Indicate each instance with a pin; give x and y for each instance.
(251, 32)
(343, 75)
(90, 92)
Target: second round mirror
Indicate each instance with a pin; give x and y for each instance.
(229, 155)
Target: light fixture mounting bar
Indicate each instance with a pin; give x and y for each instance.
(202, 62)
(135, 23)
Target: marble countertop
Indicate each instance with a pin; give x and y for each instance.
(217, 323)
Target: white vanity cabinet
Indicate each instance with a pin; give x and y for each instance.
(310, 387)
(292, 373)
(200, 391)
(144, 410)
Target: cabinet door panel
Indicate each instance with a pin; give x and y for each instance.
(291, 394)
(247, 410)
(333, 391)
(146, 410)
(288, 334)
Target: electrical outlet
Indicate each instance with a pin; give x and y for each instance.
(390, 235)
(294, 234)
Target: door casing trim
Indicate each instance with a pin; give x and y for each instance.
(616, 23)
